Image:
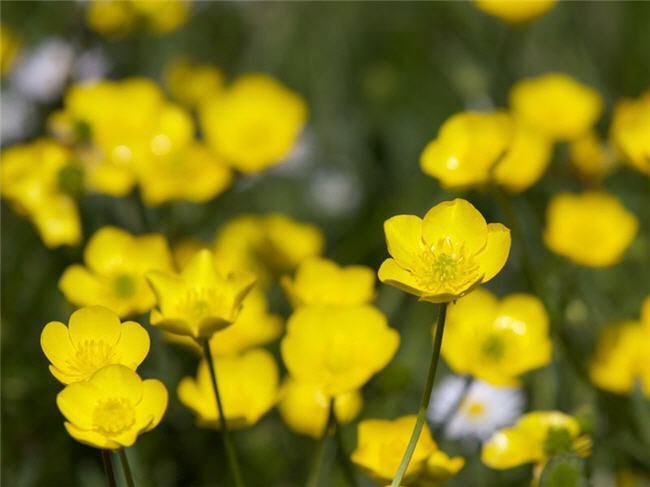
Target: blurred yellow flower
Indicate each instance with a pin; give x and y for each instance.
(265, 245)
(199, 301)
(9, 47)
(381, 444)
(591, 157)
(120, 145)
(535, 438)
(185, 249)
(248, 384)
(630, 131)
(322, 282)
(515, 11)
(112, 408)
(254, 123)
(337, 349)
(556, 104)
(305, 408)
(195, 174)
(497, 340)
(41, 180)
(622, 355)
(93, 339)
(114, 275)
(445, 255)
(119, 17)
(592, 228)
(467, 147)
(190, 83)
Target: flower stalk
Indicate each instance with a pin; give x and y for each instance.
(426, 396)
(227, 441)
(126, 468)
(320, 448)
(108, 468)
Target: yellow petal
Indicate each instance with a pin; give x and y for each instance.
(404, 239)
(58, 221)
(391, 273)
(117, 381)
(94, 323)
(167, 287)
(153, 405)
(507, 448)
(82, 288)
(133, 346)
(495, 254)
(56, 345)
(457, 221)
(91, 438)
(77, 403)
(105, 250)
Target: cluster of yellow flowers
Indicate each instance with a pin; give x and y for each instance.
(120, 17)
(249, 126)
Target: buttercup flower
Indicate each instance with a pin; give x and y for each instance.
(535, 438)
(191, 83)
(630, 131)
(497, 341)
(320, 281)
(467, 147)
(93, 339)
(9, 47)
(305, 408)
(248, 384)
(337, 349)
(556, 105)
(41, 180)
(440, 467)
(592, 228)
(445, 255)
(253, 123)
(112, 408)
(622, 355)
(194, 174)
(483, 409)
(592, 159)
(116, 263)
(515, 11)
(119, 17)
(381, 444)
(200, 300)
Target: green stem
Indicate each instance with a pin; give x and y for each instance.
(320, 448)
(227, 442)
(125, 467)
(108, 468)
(344, 460)
(426, 396)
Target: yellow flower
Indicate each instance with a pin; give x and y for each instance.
(305, 408)
(535, 438)
(630, 131)
(321, 281)
(467, 147)
(622, 355)
(112, 408)
(163, 17)
(254, 123)
(337, 349)
(592, 159)
(526, 159)
(497, 341)
(116, 263)
(191, 83)
(515, 11)
(93, 339)
(9, 47)
(265, 245)
(184, 250)
(248, 384)
(40, 179)
(592, 228)
(381, 444)
(110, 17)
(445, 255)
(119, 17)
(557, 105)
(440, 467)
(194, 174)
(200, 300)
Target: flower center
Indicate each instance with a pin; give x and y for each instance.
(447, 267)
(124, 286)
(493, 348)
(90, 356)
(474, 409)
(70, 179)
(198, 303)
(113, 416)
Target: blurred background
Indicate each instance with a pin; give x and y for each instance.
(379, 78)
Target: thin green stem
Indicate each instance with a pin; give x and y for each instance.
(426, 397)
(342, 455)
(314, 476)
(108, 468)
(125, 467)
(227, 442)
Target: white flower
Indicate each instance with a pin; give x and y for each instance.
(480, 409)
